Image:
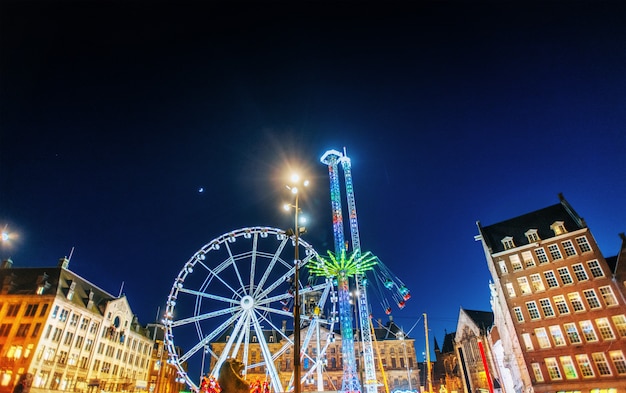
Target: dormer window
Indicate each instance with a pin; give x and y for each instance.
(558, 228)
(532, 236)
(507, 242)
(70, 292)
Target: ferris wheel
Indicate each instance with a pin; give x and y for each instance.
(234, 299)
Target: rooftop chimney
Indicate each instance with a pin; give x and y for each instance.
(63, 263)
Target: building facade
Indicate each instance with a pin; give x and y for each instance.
(394, 352)
(59, 332)
(472, 350)
(447, 370)
(558, 303)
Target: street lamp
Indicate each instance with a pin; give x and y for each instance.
(293, 187)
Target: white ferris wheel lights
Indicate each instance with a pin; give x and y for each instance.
(240, 287)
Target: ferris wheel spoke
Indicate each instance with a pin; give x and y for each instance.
(214, 273)
(229, 343)
(206, 340)
(207, 295)
(270, 267)
(241, 335)
(276, 311)
(253, 257)
(265, 350)
(235, 267)
(281, 280)
(202, 317)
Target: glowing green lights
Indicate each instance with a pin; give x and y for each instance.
(331, 266)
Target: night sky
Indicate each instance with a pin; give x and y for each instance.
(113, 116)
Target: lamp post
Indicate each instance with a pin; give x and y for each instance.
(295, 182)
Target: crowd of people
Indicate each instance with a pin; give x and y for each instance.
(210, 385)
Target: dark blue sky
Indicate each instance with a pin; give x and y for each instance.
(114, 114)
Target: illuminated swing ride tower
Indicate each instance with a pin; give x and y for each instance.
(342, 268)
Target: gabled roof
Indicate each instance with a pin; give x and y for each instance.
(53, 282)
(540, 220)
(482, 319)
(448, 343)
(389, 332)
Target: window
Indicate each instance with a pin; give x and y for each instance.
(576, 301)
(537, 371)
(84, 323)
(605, 329)
(608, 296)
(537, 283)
(592, 299)
(542, 338)
(557, 336)
(546, 307)
(502, 267)
(601, 364)
(558, 228)
(5, 328)
(56, 337)
(515, 262)
(510, 289)
(566, 278)
(79, 341)
(44, 309)
(527, 257)
(22, 330)
(36, 330)
(88, 344)
(541, 256)
(579, 271)
(13, 310)
(561, 304)
(555, 253)
(620, 324)
(588, 332)
(524, 287)
(584, 365)
(553, 369)
(583, 244)
(570, 251)
(617, 357)
(31, 310)
(527, 341)
(532, 235)
(518, 314)
(507, 242)
(572, 333)
(568, 367)
(74, 319)
(551, 279)
(595, 269)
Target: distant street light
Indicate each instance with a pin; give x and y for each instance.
(7, 237)
(296, 182)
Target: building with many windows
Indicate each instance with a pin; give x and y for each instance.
(558, 303)
(60, 332)
(394, 351)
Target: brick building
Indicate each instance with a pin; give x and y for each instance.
(558, 303)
